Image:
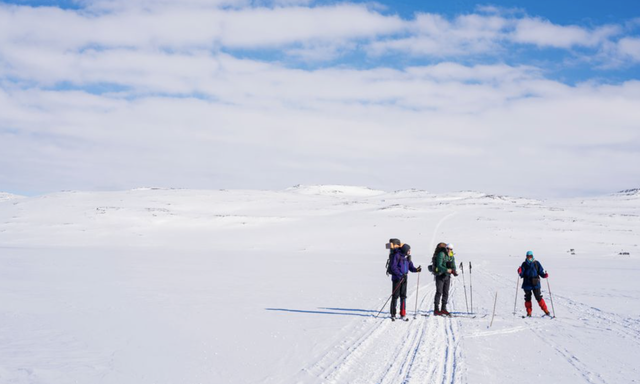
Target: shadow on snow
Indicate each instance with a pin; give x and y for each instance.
(331, 311)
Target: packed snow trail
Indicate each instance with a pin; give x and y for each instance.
(424, 350)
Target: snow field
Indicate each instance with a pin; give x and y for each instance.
(168, 286)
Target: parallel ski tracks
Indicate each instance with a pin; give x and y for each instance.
(581, 368)
(424, 350)
(591, 317)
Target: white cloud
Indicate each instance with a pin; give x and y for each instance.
(545, 34)
(185, 28)
(101, 6)
(433, 35)
(182, 112)
(268, 126)
(629, 47)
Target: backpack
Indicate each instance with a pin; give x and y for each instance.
(391, 254)
(536, 280)
(432, 267)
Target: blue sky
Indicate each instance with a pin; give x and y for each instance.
(558, 11)
(535, 99)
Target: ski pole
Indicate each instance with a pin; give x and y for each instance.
(394, 291)
(417, 290)
(516, 299)
(494, 309)
(551, 297)
(466, 303)
(470, 287)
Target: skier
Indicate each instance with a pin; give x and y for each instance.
(444, 265)
(531, 271)
(400, 265)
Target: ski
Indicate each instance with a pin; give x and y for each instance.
(453, 316)
(543, 316)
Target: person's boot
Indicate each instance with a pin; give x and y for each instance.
(444, 311)
(436, 310)
(543, 306)
(529, 307)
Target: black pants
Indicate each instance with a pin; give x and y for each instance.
(442, 289)
(401, 292)
(536, 293)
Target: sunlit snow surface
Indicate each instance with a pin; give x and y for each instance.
(184, 286)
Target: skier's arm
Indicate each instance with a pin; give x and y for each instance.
(541, 272)
(412, 268)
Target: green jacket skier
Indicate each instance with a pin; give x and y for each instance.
(445, 261)
(444, 266)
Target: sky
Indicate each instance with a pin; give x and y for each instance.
(537, 99)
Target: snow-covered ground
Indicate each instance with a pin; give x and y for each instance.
(184, 286)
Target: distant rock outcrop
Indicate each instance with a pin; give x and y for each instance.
(629, 192)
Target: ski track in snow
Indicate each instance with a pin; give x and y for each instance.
(423, 350)
(626, 327)
(587, 316)
(581, 368)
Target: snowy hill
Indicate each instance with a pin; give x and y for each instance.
(160, 285)
(334, 190)
(4, 196)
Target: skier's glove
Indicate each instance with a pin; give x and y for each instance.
(520, 271)
(419, 269)
(454, 273)
(546, 274)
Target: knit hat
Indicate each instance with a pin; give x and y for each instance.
(449, 246)
(405, 249)
(529, 253)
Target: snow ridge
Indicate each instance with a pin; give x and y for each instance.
(335, 190)
(4, 196)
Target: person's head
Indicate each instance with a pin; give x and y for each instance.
(449, 249)
(529, 255)
(406, 249)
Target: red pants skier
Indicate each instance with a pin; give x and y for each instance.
(531, 271)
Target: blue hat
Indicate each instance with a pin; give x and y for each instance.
(529, 253)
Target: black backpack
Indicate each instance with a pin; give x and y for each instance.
(391, 254)
(432, 267)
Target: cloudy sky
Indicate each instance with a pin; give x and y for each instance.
(537, 99)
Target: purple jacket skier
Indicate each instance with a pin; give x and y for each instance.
(400, 266)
